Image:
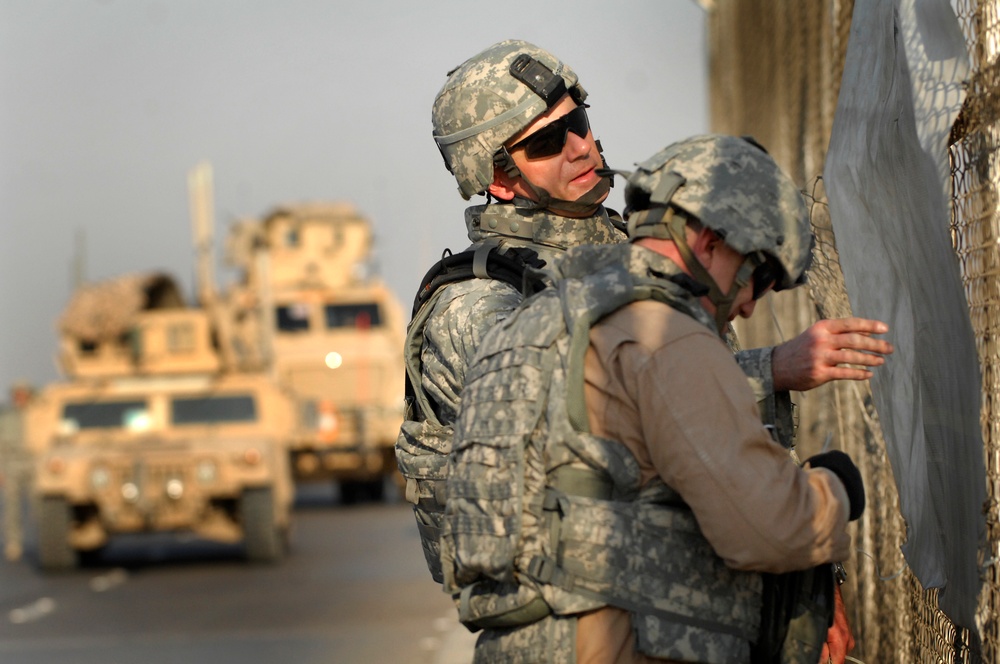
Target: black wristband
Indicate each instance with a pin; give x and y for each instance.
(842, 466)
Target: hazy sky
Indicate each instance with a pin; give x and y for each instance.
(105, 105)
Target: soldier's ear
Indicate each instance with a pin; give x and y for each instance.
(502, 187)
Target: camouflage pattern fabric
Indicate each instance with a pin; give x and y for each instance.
(462, 314)
(105, 310)
(755, 363)
(457, 318)
(551, 640)
(467, 311)
(733, 187)
(583, 543)
(776, 408)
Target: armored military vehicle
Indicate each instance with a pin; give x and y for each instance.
(178, 455)
(330, 331)
(149, 433)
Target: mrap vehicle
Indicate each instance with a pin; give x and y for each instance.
(329, 331)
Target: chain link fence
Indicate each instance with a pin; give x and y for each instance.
(775, 70)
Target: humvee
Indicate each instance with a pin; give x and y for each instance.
(148, 434)
(331, 332)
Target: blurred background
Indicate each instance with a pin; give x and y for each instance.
(107, 104)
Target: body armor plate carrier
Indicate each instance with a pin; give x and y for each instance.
(424, 442)
(544, 517)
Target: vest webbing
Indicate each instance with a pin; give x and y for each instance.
(424, 442)
(491, 260)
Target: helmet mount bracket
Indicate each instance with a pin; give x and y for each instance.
(540, 79)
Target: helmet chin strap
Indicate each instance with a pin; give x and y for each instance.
(723, 301)
(586, 205)
(661, 216)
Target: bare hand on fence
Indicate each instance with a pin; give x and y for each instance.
(831, 349)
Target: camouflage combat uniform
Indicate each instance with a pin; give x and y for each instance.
(483, 105)
(632, 542)
(463, 313)
(466, 311)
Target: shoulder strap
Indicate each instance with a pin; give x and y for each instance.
(602, 298)
(519, 267)
(488, 261)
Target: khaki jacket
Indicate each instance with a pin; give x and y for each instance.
(668, 389)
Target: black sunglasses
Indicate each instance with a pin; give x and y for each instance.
(551, 138)
(764, 276)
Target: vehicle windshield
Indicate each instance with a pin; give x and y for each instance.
(292, 317)
(131, 414)
(361, 315)
(213, 410)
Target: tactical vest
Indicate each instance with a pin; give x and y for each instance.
(545, 518)
(508, 241)
(424, 442)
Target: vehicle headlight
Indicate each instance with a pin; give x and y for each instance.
(206, 471)
(130, 492)
(100, 478)
(175, 488)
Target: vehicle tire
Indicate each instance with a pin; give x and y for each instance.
(90, 557)
(349, 492)
(353, 492)
(263, 538)
(54, 523)
(376, 490)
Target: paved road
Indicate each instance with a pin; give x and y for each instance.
(353, 590)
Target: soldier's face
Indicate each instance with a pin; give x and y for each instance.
(567, 174)
(744, 304)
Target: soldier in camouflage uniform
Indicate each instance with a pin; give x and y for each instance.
(511, 123)
(613, 495)
(523, 139)
(17, 468)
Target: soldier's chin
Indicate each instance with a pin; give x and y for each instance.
(598, 192)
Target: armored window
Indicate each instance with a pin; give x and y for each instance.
(363, 315)
(180, 338)
(107, 415)
(293, 317)
(292, 237)
(213, 410)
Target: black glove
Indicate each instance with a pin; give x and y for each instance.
(842, 466)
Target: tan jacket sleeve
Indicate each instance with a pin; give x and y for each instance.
(670, 390)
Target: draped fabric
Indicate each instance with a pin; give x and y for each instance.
(104, 310)
(887, 179)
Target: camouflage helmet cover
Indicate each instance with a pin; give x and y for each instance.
(482, 105)
(732, 186)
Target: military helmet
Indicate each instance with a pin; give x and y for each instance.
(732, 186)
(491, 97)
